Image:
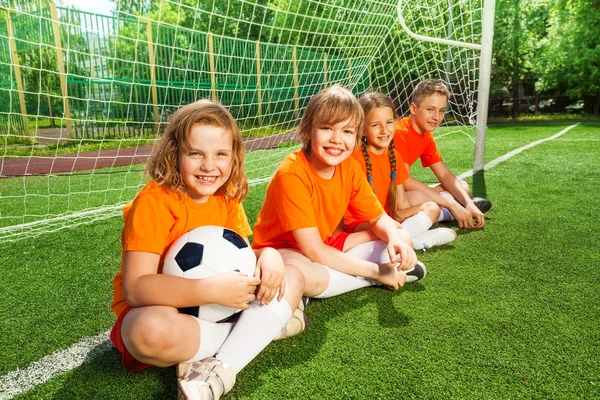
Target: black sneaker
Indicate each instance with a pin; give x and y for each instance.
(484, 205)
(416, 273)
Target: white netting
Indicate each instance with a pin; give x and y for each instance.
(83, 96)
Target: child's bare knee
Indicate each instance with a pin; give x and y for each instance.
(430, 207)
(147, 334)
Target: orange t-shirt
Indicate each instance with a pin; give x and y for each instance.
(158, 216)
(381, 171)
(412, 145)
(297, 197)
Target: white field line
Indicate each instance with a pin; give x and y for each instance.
(38, 372)
(513, 153)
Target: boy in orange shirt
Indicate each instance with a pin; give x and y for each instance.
(308, 196)
(413, 139)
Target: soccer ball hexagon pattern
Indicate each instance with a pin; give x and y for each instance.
(204, 252)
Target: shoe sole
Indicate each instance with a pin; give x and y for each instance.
(416, 273)
(484, 205)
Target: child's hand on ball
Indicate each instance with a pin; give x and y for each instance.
(233, 289)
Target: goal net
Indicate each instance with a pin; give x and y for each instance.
(83, 96)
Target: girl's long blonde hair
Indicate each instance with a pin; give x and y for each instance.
(164, 164)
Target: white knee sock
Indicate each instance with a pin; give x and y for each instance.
(417, 224)
(375, 252)
(212, 336)
(255, 329)
(340, 282)
(445, 215)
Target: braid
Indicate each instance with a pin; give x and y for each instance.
(365, 152)
(391, 198)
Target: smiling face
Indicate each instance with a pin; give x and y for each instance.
(379, 129)
(206, 165)
(330, 144)
(429, 114)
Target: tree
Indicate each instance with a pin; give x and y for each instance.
(570, 58)
(520, 25)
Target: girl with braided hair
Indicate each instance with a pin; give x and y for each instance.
(386, 172)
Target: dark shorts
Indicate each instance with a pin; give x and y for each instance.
(129, 362)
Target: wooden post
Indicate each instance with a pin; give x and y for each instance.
(258, 88)
(296, 100)
(151, 61)
(61, 69)
(49, 107)
(15, 61)
(325, 69)
(349, 72)
(211, 59)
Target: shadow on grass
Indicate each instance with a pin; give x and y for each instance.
(479, 188)
(102, 376)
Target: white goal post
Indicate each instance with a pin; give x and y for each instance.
(84, 96)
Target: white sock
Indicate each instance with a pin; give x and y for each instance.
(417, 224)
(445, 215)
(255, 329)
(375, 252)
(212, 336)
(340, 282)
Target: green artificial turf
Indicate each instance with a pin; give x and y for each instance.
(507, 312)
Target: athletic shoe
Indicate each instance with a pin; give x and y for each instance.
(295, 325)
(484, 205)
(304, 300)
(433, 237)
(207, 379)
(416, 273)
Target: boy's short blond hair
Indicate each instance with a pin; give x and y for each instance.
(427, 88)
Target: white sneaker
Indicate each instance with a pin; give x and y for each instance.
(433, 237)
(295, 325)
(208, 379)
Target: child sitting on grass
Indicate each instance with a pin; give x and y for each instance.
(386, 172)
(413, 139)
(310, 192)
(198, 179)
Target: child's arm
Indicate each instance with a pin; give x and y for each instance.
(450, 182)
(315, 250)
(270, 269)
(462, 215)
(144, 286)
(399, 241)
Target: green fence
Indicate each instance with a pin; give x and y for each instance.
(101, 76)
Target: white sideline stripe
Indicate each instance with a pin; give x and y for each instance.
(493, 163)
(22, 380)
(19, 381)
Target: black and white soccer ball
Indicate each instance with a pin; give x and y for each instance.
(204, 252)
